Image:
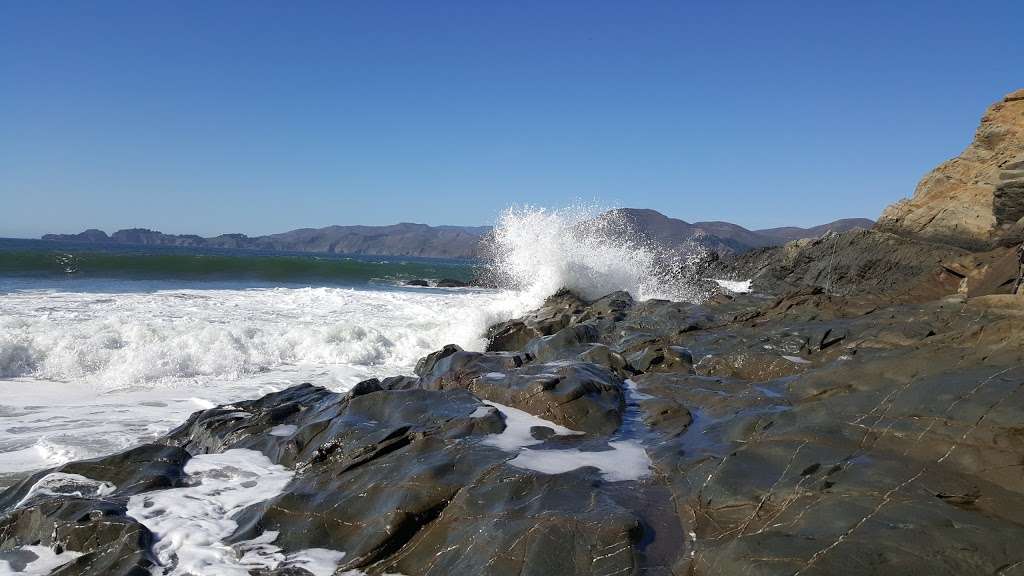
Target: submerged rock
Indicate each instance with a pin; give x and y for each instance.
(451, 283)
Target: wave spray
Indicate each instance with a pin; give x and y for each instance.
(537, 251)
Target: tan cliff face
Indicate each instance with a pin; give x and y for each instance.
(975, 200)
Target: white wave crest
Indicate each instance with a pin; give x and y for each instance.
(539, 251)
(135, 339)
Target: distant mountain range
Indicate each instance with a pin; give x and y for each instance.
(395, 240)
(407, 239)
(724, 237)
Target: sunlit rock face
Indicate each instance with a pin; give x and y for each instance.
(975, 200)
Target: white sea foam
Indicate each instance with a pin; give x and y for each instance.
(41, 561)
(115, 340)
(191, 523)
(92, 372)
(283, 430)
(538, 251)
(316, 561)
(61, 484)
(516, 434)
(624, 460)
(735, 286)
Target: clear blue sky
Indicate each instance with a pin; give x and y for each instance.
(256, 117)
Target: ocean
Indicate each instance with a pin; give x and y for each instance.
(102, 348)
(106, 347)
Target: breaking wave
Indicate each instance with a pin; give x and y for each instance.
(101, 364)
(116, 340)
(538, 251)
(93, 372)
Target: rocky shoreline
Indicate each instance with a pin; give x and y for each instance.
(861, 411)
(805, 434)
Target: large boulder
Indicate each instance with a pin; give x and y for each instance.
(975, 200)
(556, 313)
(532, 525)
(578, 395)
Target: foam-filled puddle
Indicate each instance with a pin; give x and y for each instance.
(622, 460)
(192, 522)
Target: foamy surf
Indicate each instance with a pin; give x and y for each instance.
(108, 364)
(625, 459)
(116, 340)
(89, 373)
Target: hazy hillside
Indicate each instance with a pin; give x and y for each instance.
(408, 239)
(724, 236)
(789, 233)
(395, 240)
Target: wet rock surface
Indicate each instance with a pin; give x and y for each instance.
(802, 433)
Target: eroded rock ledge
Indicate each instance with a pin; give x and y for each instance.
(975, 200)
(805, 434)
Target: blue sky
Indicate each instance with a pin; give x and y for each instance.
(257, 117)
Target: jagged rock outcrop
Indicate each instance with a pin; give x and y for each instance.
(854, 263)
(975, 200)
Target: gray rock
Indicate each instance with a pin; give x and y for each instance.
(451, 283)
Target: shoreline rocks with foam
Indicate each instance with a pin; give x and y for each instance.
(808, 433)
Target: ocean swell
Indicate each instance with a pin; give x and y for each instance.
(53, 260)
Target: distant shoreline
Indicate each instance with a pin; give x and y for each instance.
(36, 244)
(457, 242)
